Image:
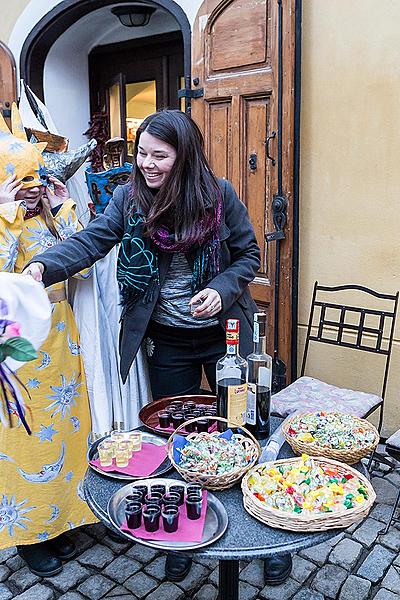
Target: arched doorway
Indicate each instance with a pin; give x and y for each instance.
(47, 31)
(79, 58)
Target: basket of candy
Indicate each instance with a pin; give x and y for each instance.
(341, 436)
(307, 494)
(216, 460)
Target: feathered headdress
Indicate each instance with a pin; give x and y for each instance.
(18, 156)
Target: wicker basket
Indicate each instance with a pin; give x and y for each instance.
(226, 480)
(307, 522)
(349, 456)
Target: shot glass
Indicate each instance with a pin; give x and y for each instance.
(170, 517)
(194, 489)
(153, 498)
(177, 419)
(135, 437)
(180, 490)
(202, 425)
(134, 497)
(190, 405)
(133, 514)
(193, 507)
(192, 426)
(158, 488)
(126, 445)
(143, 490)
(164, 419)
(109, 443)
(105, 454)
(122, 456)
(171, 499)
(117, 436)
(177, 405)
(151, 518)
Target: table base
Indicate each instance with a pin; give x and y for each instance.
(228, 580)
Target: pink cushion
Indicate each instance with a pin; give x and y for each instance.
(307, 393)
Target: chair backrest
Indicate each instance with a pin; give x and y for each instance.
(331, 330)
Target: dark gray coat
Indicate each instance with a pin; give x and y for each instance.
(239, 263)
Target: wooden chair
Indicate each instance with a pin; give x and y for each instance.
(331, 322)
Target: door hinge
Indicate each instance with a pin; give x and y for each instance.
(188, 93)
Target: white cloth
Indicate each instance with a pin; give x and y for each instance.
(97, 312)
(28, 305)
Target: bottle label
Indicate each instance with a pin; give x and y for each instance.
(251, 404)
(237, 403)
(232, 333)
(256, 332)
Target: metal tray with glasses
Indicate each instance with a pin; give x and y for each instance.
(146, 437)
(215, 524)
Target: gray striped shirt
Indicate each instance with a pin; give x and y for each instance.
(172, 307)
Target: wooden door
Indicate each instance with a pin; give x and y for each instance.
(8, 81)
(235, 60)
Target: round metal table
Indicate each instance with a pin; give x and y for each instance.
(245, 539)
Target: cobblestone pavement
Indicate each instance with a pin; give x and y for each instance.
(358, 564)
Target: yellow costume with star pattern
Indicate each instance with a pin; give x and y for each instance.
(41, 475)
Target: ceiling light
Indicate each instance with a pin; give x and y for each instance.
(133, 15)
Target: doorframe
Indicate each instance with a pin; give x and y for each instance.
(46, 31)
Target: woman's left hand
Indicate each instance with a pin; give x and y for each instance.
(210, 304)
(60, 193)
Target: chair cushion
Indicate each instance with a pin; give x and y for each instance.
(308, 394)
(394, 439)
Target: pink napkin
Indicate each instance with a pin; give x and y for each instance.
(188, 530)
(170, 429)
(141, 464)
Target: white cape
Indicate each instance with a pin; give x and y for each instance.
(97, 312)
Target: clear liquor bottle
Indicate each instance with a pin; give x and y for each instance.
(259, 376)
(231, 375)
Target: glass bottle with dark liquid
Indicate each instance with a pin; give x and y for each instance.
(231, 372)
(259, 377)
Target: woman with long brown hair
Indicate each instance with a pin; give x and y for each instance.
(188, 253)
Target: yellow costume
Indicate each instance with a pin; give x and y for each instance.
(41, 475)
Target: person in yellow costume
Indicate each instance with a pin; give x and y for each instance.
(41, 474)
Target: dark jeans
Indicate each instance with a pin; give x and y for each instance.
(176, 356)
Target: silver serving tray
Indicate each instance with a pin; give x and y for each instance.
(146, 437)
(214, 527)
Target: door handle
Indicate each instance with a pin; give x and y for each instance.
(267, 141)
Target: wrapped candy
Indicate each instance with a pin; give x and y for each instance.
(333, 430)
(212, 455)
(306, 486)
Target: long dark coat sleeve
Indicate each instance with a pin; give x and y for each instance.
(82, 249)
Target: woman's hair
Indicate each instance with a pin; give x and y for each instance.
(190, 193)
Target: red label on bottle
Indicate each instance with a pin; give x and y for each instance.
(232, 332)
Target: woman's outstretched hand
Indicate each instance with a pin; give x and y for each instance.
(210, 304)
(35, 270)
